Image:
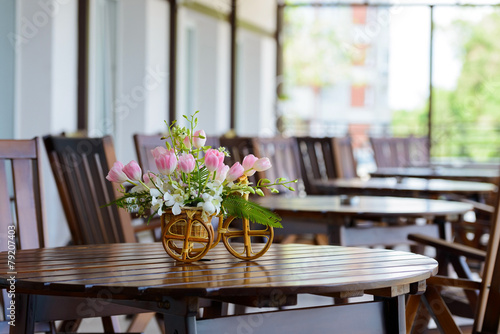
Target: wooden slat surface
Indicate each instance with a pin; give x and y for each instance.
(447, 173)
(406, 186)
(144, 271)
(365, 206)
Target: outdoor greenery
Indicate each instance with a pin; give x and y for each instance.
(466, 120)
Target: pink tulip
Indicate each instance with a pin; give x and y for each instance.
(133, 171)
(248, 163)
(262, 164)
(187, 142)
(197, 140)
(218, 153)
(186, 163)
(221, 173)
(159, 150)
(166, 163)
(116, 173)
(234, 172)
(212, 161)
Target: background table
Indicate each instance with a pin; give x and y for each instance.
(320, 214)
(408, 187)
(143, 276)
(446, 173)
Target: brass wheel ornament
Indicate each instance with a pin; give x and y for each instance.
(187, 237)
(228, 232)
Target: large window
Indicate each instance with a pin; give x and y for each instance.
(350, 66)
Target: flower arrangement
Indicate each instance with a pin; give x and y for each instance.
(194, 176)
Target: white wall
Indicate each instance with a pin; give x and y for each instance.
(256, 85)
(46, 86)
(7, 66)
(210, 90)
(142, 85)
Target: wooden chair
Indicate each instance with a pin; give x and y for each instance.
(390, 151)
(344, 157)
(22, 218)
(238, 148)
(318, 161)
(80, 166)
(283, 154)
(482, 297)
(400, 151)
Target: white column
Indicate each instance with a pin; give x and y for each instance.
(46, 83)
(142, 85)
(7, 65)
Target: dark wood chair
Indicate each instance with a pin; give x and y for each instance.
(80, 166)
(22, 218)
(238, 148)
(400, 151)
(318, 161)
(482, 298)
(283, 154)
(390, 151)
(344, 157)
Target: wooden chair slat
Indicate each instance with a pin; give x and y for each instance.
(25, 203)
(5, 206)
(21, 149)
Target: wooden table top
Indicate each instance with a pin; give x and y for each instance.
(448, 173)
(405, 186)
(143, 271)
(365, 205)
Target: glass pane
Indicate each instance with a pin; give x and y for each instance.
(466, 104)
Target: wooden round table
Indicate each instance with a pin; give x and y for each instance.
(85, 281)
(331, 214)
(407, 187)
(446, 173)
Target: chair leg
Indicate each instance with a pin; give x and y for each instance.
(110, 324)
(411, 311)
(68, 326)
(439, 311)
(140, 322)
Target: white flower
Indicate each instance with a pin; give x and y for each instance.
(175, 201)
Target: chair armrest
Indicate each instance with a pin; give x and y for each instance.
(480, 207)
(449, 247)
(454, 282)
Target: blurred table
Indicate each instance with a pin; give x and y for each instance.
(447, 173)
(85, 281)
(406, 187)
(333, 215)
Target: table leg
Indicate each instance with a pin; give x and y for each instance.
(25, 314)
(394, 314)
(336, 230)
(178, 324)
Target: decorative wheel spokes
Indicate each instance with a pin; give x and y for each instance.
(187, 240)
(238, 239)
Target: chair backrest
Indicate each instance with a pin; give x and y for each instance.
(21, 203)
(145, 143)
(80, 166)
(317, 160)
(283, 154)
(418, 151)
(238, 148)
(344, 158)
(22, 216)
(390, 151)
(400, 151)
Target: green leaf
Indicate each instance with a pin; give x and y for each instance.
(259, 192)
(239, 207)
